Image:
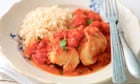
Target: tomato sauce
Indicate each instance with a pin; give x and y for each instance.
(103, 60)
(37, 51)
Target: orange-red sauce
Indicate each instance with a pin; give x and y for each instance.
(38, 49)
(103, 61)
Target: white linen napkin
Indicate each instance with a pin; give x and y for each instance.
(133, 5)
(131, 27)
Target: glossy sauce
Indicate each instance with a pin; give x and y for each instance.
(103, 61)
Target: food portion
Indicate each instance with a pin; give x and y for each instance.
(44, 21)
(66, 42)
(95, 44)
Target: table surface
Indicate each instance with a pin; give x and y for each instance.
(6, 4)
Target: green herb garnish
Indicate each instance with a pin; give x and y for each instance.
(89, 22)
(63, 44)
(39, 38)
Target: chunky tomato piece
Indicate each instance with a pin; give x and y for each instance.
(31, 49)
(43, 43)
(94, 16)
(81, 17)
(40, 56)
(105, 27)
(74, 36)
(61, 34)
(38, 51)
(78, 21)
(80, 13)
(96, 24)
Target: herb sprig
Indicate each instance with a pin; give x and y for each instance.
(89, 22)
(63, 44)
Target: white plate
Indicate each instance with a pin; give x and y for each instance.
(10, 23)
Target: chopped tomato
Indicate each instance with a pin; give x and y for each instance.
(78, 12)
(30, 49)
(43, 43)
(81, 17)
(78, 21)
(38, 51)
(81, 13)
(74, 36)
(105, 27)
(40, 56)
(96, 24)
(94, 16)
(61, 34)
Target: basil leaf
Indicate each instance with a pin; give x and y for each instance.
(39, 38)
(63, 44)
(89, 21)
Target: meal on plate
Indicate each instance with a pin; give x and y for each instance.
(66, 42)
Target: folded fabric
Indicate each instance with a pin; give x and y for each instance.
(131, 27)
